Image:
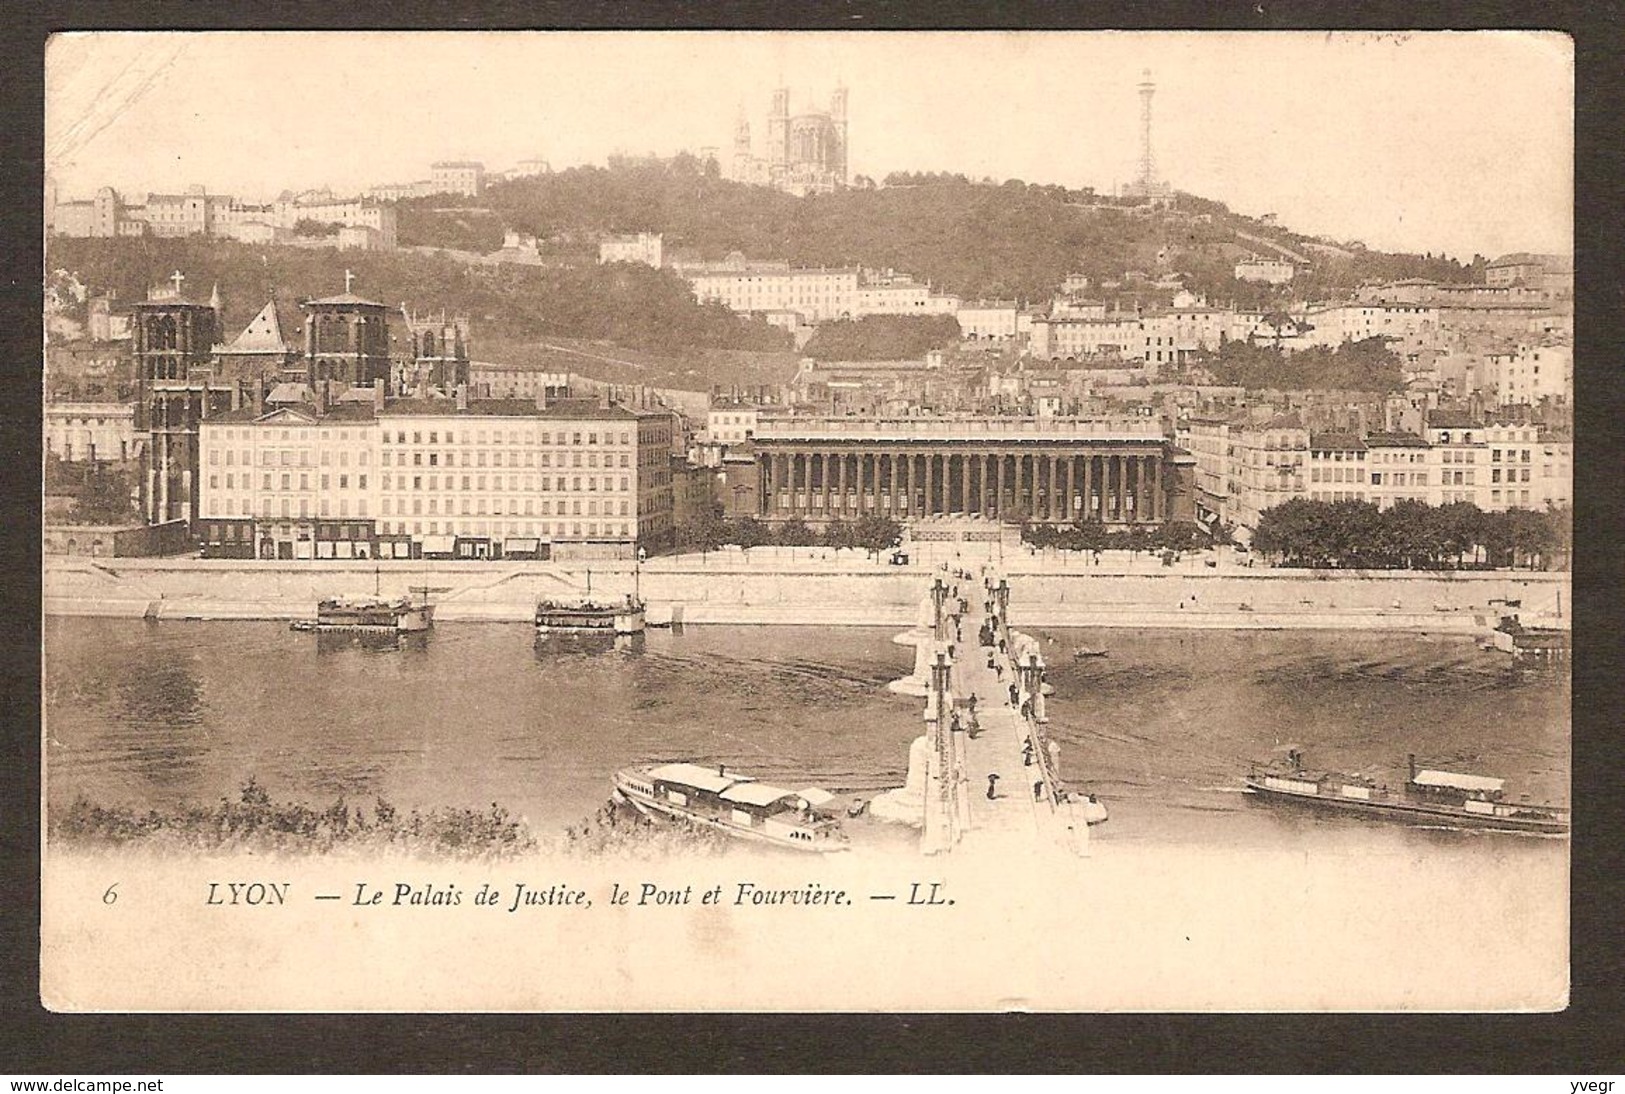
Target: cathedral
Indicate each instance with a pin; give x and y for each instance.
(805, 153)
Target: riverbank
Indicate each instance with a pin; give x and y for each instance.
(814, 587)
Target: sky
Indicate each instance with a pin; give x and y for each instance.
(1452, 142)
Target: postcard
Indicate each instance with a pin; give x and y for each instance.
(722, 521)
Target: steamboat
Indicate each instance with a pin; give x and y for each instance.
(738, 805)
(1428, 797)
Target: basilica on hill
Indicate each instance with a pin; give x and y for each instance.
(806, 153)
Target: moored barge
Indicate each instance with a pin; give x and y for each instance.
(374, 615)
(623, 617)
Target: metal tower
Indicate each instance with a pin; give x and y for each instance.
(1148, 169)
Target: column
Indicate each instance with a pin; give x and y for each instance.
(930, 476)
(891, 497)
(1056, 507)
(998, 486)
(824, 481)
(984, 462)
(1068, 477)
(840, 479)
(964, 483)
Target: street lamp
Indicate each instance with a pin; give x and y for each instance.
(637, 574)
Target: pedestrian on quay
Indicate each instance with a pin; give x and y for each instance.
(992, 787)
(1038, 789)
(1015, 695)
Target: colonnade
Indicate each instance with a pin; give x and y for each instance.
(1055, 487)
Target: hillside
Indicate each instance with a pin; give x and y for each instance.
(632, 306)
(979, 240)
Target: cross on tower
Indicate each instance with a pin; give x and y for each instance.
(348, 278)
(177, 277)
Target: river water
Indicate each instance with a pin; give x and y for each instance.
(158, 715)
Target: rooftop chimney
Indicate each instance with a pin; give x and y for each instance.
(462, 396)
(377, 395)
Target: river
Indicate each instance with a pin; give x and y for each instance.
(160, 715)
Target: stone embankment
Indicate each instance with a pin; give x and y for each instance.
(768, 586)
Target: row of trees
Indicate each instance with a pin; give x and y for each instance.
(1367, 365)
(710, 531)
(1412, 536)
(882, 337)
(1175, 537)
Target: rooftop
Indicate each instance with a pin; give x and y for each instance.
(1394, 440)
(346, 299)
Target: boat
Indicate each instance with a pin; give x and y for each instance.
(1427, 797)
(610, 617)
(403, 615)
(738, 805)
(1545, 645)
(1080, 654)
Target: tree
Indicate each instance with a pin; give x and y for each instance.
(794, 533)
(874, 532)
(838, 533)
(703, 532)
(103, 497)
(1178, 536)
(750, 532)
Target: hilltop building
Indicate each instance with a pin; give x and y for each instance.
(805, 153)
(644, 247)
(362, 222)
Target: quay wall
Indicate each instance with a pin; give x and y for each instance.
(844, 589)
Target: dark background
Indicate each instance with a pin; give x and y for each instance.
(1587, 1039)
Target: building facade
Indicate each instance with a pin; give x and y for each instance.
(1268, 270)
(1012, 469)
(641, 247)
(465, 178)
(92, 432)
(815, 294)
(451, 477)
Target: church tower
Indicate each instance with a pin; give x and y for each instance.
(741, 158)
(837, 161)
(346, 341)
(778, 130)
(173, 341)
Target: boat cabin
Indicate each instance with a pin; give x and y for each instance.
(1474, 793)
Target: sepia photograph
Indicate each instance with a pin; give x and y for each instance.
(727, 521)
